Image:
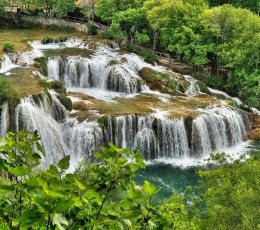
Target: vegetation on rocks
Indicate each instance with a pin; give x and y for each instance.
(8, 47)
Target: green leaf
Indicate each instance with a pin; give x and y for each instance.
(18, 171)
(139, 161)
(79, 184)
(39, 147)
(149, 188)
(64, 163)
(3, 227)
(60, 221)
(93, 196)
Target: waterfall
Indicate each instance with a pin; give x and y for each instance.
(4, 119)
(156, 138)
(163, 136)
(217, 129)
(32, 116)
(6, 64)
(82, 139)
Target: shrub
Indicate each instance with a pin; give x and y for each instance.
(8, 47)
(61, 28)
(47, 40)
(148, 56)
(92, 29)
(29, 25)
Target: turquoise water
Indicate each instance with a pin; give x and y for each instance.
(167, 178)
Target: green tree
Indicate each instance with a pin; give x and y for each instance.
(3, 4)
(230, 194)
(253, 5)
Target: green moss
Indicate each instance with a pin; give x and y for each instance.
(102, 121)
(58, 86)
(203, 87)
(41, 64)
(8, 47)
(66, 101)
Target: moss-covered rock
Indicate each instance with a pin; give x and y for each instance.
(102, 121)
(66, 102)
(41, 64)
(58, 86)
(203, 87)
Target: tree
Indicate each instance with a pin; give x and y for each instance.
(88, 7)
(252, 5)
(60, 7)
(3, 4)
(230, 193)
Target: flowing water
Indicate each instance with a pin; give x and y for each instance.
(151, 121)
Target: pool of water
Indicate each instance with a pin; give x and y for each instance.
(168, 178)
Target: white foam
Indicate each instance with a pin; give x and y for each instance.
(185, 162)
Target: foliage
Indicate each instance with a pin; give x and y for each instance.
(115, 32)
(96, 196)
(92, 29)
(249, 4)
(7, 92)
(148, 56)
(60, 28)
(230, 193)
(3, 3)
(8, 47)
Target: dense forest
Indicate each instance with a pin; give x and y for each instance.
(220, 36)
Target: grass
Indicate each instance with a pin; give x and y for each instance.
(23, 83)
(20, 37)
(176, 107)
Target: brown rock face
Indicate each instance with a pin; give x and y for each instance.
(254, 134)
(256, 121)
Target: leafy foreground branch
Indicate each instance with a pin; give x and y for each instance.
(104, 195)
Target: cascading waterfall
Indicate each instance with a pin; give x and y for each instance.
(32, 116)
(82, 139)
(4, 119)
(215, 129)
(6, 64)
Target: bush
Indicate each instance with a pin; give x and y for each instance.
(47, 40)
(41, 64)
(92, 29)
(148, 56)
(60, 28)
(29, 25)
(8, 47)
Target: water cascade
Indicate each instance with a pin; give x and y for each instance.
(213, 127)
